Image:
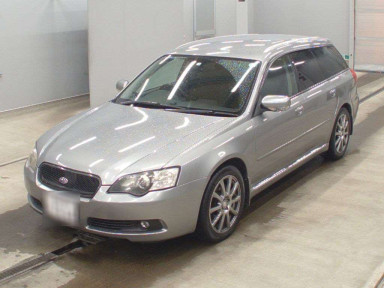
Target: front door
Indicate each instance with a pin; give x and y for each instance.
(277, 139)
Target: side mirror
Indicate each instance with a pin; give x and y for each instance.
(121, 84)
(276, 103)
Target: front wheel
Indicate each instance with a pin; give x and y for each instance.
(340, 136)
(222, 205)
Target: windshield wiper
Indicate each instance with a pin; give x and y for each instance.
(204, 112)
(179, 109)
(148, 104)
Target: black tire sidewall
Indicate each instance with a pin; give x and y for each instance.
(204, 228)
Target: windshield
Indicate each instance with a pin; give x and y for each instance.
(194, 82)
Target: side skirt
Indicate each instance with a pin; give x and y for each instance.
(260, 186)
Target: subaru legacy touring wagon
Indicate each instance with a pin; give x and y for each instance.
(186, 145)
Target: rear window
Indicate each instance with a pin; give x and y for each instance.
(330, 61)
(308, 69)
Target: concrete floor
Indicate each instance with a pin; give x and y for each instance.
(20, 128)
(322, 226)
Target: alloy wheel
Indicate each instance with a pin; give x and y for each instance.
(342, 134)
(225, 204)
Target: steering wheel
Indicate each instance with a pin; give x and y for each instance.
(166, 87)
(185, 95)
(169, 87)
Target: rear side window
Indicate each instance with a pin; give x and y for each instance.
(330, 61)
(308, 69)
(281, 79)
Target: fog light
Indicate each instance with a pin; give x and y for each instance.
(144, 224)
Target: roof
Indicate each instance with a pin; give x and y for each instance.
(249, 46)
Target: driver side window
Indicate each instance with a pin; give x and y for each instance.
(280, 80)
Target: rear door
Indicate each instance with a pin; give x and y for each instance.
(318, 91)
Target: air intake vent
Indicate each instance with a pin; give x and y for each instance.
(123, 226)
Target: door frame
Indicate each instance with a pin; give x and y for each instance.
(352, 33)
(202, 34)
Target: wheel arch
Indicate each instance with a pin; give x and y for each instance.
(239, 164)
(349, 108)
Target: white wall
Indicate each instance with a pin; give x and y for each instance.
(43, 51)
(242, 16)
(226, 17)
(125, 36)
(326, 18)
(188, 20)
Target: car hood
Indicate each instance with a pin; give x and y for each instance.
(107, 140)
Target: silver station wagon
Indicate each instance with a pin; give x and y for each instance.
(185, 146)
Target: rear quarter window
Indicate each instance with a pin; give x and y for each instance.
(330, 61)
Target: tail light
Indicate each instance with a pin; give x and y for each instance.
(354, 75)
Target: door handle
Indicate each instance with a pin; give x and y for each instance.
(332, 93)
(299, 110)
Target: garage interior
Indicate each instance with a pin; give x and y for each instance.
(321, 226)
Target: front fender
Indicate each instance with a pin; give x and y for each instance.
(201, 161)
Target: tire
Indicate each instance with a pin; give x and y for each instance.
(220, 212)
(341, 135)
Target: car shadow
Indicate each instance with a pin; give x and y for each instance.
(24, 231)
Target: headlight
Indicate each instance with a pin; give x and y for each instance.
(141, 183)
(32, 159)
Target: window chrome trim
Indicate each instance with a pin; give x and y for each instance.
(321, 83)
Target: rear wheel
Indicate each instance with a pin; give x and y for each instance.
(340, 136)
(222, 205)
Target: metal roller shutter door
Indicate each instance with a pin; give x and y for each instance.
(369, 54)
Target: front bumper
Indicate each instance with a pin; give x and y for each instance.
(177, 209)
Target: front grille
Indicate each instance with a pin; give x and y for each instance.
(83, 183)
(123, 226)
